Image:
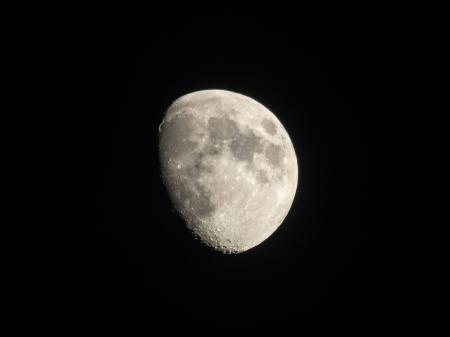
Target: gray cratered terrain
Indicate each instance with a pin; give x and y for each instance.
(229, 167)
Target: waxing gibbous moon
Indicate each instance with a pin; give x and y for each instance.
(229, 167)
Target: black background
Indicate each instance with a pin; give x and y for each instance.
(111, 257)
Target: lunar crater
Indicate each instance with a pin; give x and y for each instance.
(269, 127)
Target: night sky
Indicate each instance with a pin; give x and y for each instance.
(112, 257)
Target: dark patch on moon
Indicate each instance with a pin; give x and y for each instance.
(193, 197)
(262, 177)
(197, 167)
(222, 128)
(174, 136)
(212, 149)
(201, 203)
(269, 127)
(274, 154)
(244, 146)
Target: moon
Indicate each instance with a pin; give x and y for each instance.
(229, 167)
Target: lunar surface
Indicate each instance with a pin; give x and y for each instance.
(229, 167)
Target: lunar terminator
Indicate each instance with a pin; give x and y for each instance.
(229, 167)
